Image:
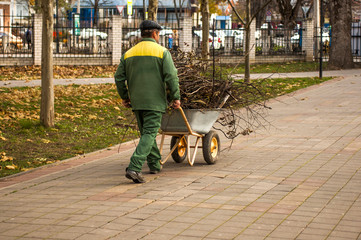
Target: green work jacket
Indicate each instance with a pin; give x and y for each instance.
(144, 74)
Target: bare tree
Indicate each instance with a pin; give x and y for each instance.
(260, 11)
(205, 28)
(153, 10)
(178, 11)
(47, 86)
(247, 26)
(96, 4)
(289, 10)
(341, 19)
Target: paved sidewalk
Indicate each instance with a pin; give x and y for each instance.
(299, 179)
(34, 83)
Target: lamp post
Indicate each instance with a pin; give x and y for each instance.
(322, 19)
(57, 26)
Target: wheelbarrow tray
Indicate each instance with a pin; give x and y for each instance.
(200, 120)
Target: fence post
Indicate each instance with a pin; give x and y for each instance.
(185, 37)
(229, 44)
(252, 52)
(307, 39)
(37, 35)
(116, 39)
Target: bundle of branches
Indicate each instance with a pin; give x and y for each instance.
(242, 103)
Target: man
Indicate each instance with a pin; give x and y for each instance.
(145, 73)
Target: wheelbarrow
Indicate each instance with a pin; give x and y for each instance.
(181, 125)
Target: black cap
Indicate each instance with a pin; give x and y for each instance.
(149, 25)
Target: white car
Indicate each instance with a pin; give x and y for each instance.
(137, 33)
(133, 34)
(237, 34)
(166, 32)
(295, 38)
(217, 42)
(87, 33)
(257, 34)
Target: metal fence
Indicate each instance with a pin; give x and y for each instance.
(81, 37)
(268, 41)
(16, 37)
(279, 42)
(221, 41)
(168, 36)
(327, 41)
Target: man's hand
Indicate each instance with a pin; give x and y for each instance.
(176, 104)
(126, 103)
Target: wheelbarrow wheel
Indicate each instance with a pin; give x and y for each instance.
(211, 147)
(180, 153)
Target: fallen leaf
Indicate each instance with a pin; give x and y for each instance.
(121, 118)
(40, 159)
(92, 117)
(2, 138)
(10, 167)
(6, 158)
(43, 140)
(26, 169)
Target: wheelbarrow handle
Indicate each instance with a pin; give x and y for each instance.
(185, 120)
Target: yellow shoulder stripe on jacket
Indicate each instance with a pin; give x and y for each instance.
(145, 48)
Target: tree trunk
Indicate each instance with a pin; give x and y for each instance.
(341, 20)
(153, 10)
(176, 12)
(205, 28)
(247, 67)
(95, 17)
(47, 87)
(259, 11)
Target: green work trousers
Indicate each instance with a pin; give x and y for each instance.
(147, 149)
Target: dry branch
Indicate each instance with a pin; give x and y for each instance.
(243, 103)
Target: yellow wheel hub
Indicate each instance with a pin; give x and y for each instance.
(214, 147)
(182, 147)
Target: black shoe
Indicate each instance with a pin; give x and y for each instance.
(135, 176)
(156, 171)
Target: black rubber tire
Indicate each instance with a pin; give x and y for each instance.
(179, 154)
(211, 147)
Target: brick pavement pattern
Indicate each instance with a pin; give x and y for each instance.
(298, 179)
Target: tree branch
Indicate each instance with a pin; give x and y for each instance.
(235, 11)
(259, 10)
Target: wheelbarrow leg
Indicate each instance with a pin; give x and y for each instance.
(195, 151)
(171, 151)
(161, 143)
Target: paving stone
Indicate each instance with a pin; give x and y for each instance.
(299, 180)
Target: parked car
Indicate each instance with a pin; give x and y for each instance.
(325, 37)
(217, 42)
(265, 26)
(87, 33)
(14, 41)
(137, 34)
(220, 35)
(257, 34)
(295, 38)
(237, 34)
(280, 30)
(165, 31)
(132, 34)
